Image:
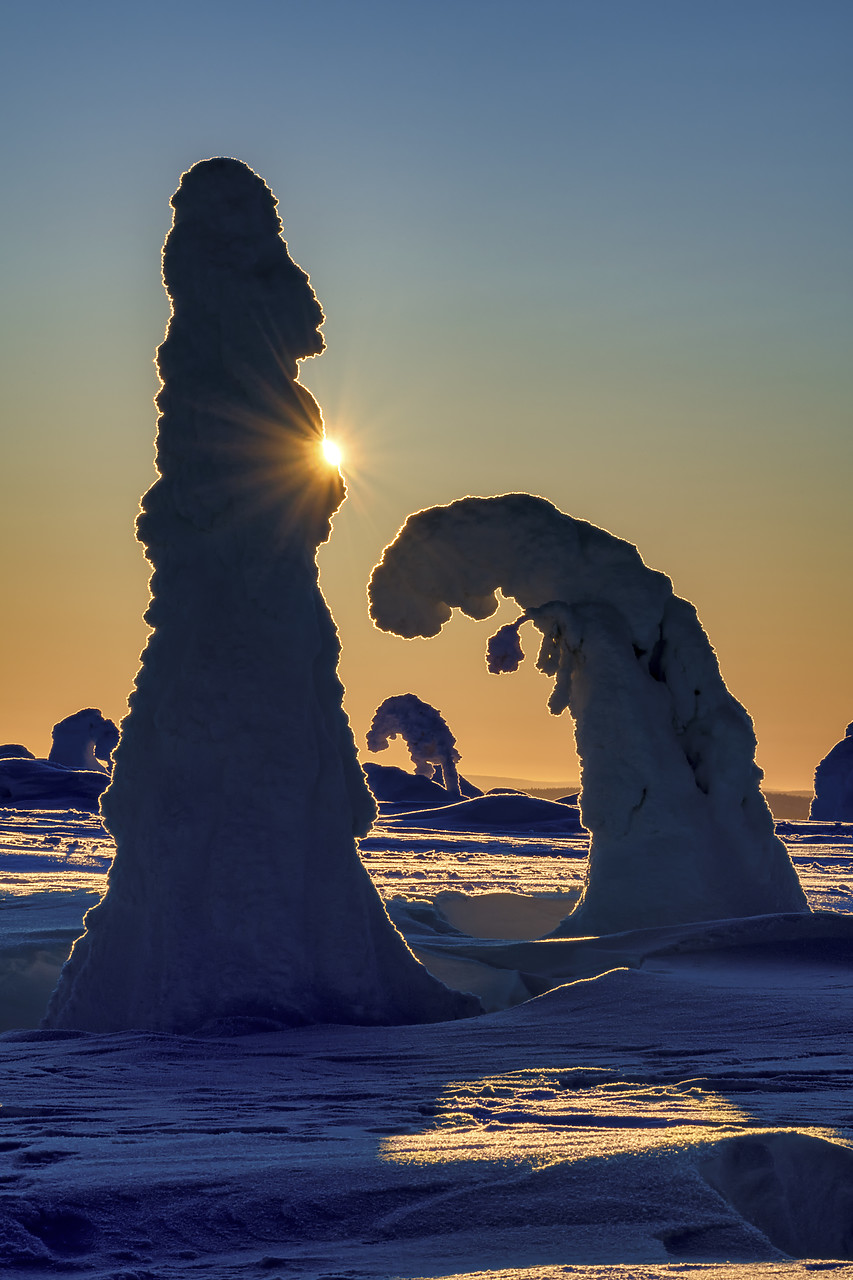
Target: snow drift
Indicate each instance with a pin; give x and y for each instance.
(496, 812)
(833, 783)
(670, 787)
(236, 890)
(393, 788)
(36, 784)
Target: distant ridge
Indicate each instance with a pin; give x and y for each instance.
(790, 805)
(547, 789)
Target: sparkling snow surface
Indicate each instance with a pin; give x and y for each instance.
(682, 1113)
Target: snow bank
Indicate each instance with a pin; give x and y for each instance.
(72, 777)
(395, 788)
(496, 811)
(833, 783)
(425, 732)
(85, 740)
(37, 784)
(792, 1186)
(680, 830)
(236, 890)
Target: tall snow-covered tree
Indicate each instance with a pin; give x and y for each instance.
(237, 796)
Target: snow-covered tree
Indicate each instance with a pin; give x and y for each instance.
(833, 783)
(425, 732)
(670, 788)
(237, 890)
(85, 740)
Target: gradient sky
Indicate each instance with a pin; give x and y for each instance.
(599, 251)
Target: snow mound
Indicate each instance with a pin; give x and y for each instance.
(14, 751)
(833, 783)
(237, 891)
(775, 951)
(670, 789)
(796, 1188)
(503, 810)
(393, 786)
(36, 784)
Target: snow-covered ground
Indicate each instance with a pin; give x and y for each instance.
(676, 1101)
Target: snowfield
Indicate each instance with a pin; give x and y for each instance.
(680, 1103)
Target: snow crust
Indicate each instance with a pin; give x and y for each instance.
(236, 797)
(833, 782)
(670, 787)
(425, 732)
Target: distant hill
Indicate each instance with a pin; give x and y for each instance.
(549, 790)
(791, 805)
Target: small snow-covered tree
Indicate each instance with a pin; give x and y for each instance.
(833, 783)
(425, 732)
(85, 740)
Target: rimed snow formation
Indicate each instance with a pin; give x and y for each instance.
(85, 740)
(236, 889)
(833, 783)
(680, 830)
(424, 731)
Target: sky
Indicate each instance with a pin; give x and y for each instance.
(594, 250)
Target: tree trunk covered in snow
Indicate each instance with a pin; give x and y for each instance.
(237, 890)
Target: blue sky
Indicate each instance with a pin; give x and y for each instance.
(600, 251)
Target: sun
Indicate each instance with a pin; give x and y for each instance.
(332, 453)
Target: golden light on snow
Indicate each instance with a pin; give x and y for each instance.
(332, 453)
(545, 1117)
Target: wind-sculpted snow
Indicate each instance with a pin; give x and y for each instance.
(670, 787)
(236, 889)
(425, 732)
(833, 783)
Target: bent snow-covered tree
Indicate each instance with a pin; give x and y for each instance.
(425, 732)
(670, 787)
(236, 888)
